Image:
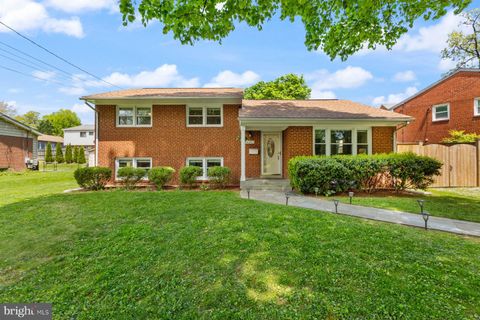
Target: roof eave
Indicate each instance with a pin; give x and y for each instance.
(21, 125)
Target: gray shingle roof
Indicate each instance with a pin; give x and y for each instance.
(83, 127)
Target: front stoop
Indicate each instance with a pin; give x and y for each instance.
(266, 184)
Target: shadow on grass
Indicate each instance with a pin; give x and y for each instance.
(213, 255)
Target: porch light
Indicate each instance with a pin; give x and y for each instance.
(335, 201)
(350, 195)
(425, 216)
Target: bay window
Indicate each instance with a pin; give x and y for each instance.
(204, 116)
(133, 116)
(341, 141)
(204, 164)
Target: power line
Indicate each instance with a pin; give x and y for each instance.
(57, 56)
(30, 75)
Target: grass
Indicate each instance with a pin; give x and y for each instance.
(460, 203)
(18, 186)
(212, 255)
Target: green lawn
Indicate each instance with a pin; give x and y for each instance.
(18, 186)
(212, 255)
(461, 203)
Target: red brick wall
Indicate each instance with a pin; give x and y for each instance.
(297, 141)
(253, 162)
(382, 139)
(13, 151)
(460, 91)
(169, 142)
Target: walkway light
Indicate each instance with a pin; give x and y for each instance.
(335, 201)
(425, 216)
(287, 195)
(350, 195)
(421, 203)
(317, 190)
(248, 193)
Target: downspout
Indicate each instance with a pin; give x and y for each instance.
(96, 130)
(395, 134)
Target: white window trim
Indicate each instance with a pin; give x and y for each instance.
(328, 138)
(134, 125)
(434, 111)
(204, 115)
(134, 163)
(204, 165)
(476, 107)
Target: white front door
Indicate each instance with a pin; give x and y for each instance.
(272, 153)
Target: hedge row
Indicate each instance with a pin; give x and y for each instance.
(329, 175)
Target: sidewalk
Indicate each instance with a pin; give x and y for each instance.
(410, 219)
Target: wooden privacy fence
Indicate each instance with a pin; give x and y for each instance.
(461, 162)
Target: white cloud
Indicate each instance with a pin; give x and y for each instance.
(75, 6)
(405, 76)
(166, 75)
(323, 94)
(27, 15)
(394, 97)
(73, 91)
(80, 108)
(45, 75)
(446, 65)
(228, 78)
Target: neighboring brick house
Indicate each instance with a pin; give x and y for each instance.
(18, 143)
(215, 126)
(453, 102)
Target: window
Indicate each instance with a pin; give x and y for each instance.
(145, 163)
(341, 142)
(204, 116)
(320, 143)
(205, 163)
(476, 107)
(337, 141)
(134, 116)
(83, 134)
(441, 112)
(90, 133)
(362, 142)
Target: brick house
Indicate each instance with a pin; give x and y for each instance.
(453, 102)
(18, 143)
(217, 127)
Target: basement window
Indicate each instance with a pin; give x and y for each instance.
(144, 163)
(204, 164)
(441, 112)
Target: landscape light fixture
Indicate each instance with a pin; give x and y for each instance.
(317, 190)
(421, 203)
(335, 201)
(425, 216)
(350, 195)
(287, 195)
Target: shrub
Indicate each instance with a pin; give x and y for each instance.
(368, 173)
(130, 176)
(219, 176)
(459, 136)
(188, 175)
(93, 178)
(68, 154)
(160, 176)
(48, 153)
(59, 153)
(75, 154)
(81, 155)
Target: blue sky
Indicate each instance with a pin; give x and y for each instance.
(90, 34)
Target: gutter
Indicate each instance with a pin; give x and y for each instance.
(96, 130)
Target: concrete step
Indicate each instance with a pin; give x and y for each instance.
(266, 184)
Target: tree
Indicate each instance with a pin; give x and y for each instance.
(464, 48)
(59, 153)
(7, 109)
(68, 154)
(75, 154)
(339, 28)
(62, 119)
(81, 155)
(48, 153)
(289, 86)
(31, 118)
(45, 127)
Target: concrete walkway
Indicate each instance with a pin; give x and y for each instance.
(410, 219)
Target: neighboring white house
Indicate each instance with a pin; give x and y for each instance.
(83, 135)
